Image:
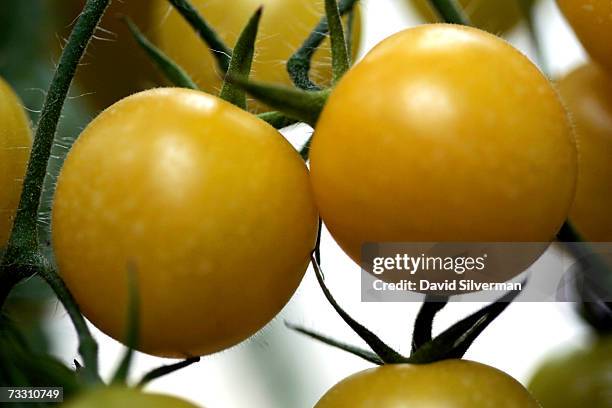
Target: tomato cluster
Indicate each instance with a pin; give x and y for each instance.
(441, 133)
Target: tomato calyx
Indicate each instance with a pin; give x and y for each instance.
(453, 343)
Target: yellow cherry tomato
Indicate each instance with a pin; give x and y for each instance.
(115, 397)
(209, 206)
(443, 133)
(587, 93)
(114, 65)
(576, 379)
(15, 141)
(450, 383)
(592, 23)
(494, 16)
(283, 28)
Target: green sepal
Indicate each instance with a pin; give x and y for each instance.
(359, 352)
(455, 341)
(277, 120)
(221, 52)
(171, 70)
(132, 329)
(305, 106)
(450, 12)
(165, 370)
(240, 64)
(424, 322)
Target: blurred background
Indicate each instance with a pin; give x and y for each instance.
(277, 367)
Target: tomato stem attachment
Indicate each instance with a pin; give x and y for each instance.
(171, 70)
(240, 64)
(359, 352)
(278, 120)
(456, 340)
(299, 63)
(221, 52)
(340, 58)
(302, 105)
(450, 11)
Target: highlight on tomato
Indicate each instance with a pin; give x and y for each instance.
(449, 383)
(459, 137)
(587, 93)
(15, 142)
(209, 206)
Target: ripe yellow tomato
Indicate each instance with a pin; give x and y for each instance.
(458, 137)
(210, 206)
(579, 378)
(114, 65)
(587, 93)
(284, 27)
(450, 383)
(15, 141)
(494, 16)
(115, 397)
(592, 23)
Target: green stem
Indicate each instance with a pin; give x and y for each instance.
(277, 119)
(220, 51)
(386, 353)
(450, 11)
(24, 228)
(423, 324)
(88, 348)
(298, 64)
(340, 58)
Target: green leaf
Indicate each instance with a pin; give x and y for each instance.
(171, 70)
(455, 341)
(221, 52)
(240, 64)
(386, 353)
(359, 352)
(340, 57)
(165, 370)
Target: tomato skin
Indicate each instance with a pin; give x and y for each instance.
(450, 383)
(114, 65)
(578, 378)
(458, 138)
(115, 397)
(284, 26)
(592, 24)
(210, 206)
(587, 93)
(496, 17)
(15, 143)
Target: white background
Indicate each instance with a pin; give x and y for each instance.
(278, 368)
